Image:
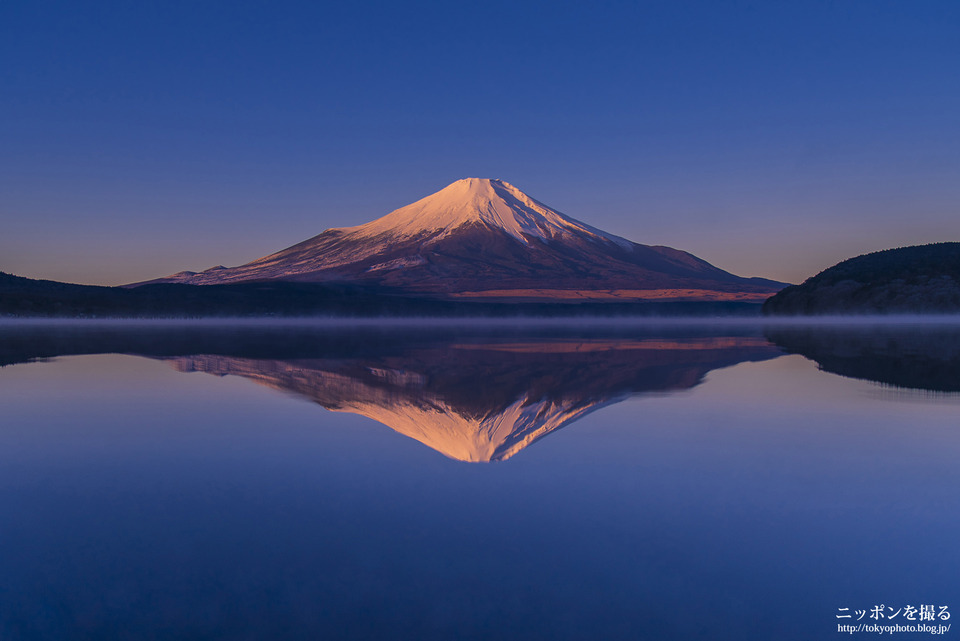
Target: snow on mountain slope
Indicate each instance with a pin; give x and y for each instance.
(494, 203)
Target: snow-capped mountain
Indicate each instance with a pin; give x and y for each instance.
(482, 238)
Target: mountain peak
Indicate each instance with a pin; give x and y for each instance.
(483, 238)
(491, 202)
(476, 183)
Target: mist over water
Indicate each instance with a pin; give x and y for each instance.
(663, 478)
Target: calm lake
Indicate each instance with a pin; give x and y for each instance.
(651, 481)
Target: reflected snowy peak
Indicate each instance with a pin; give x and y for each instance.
(482, 402)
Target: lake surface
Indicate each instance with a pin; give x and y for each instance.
(684, 481)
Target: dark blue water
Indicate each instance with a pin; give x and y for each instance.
(707, 485)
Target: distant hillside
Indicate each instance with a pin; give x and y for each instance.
(24, 297)
(919, 279)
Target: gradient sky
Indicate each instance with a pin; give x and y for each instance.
(772, 139)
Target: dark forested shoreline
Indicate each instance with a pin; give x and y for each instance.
(28, 298)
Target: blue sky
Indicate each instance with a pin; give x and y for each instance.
(773, 139)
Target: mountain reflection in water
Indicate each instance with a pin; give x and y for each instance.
(484, 394)
(480, 395)
(487, 401)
